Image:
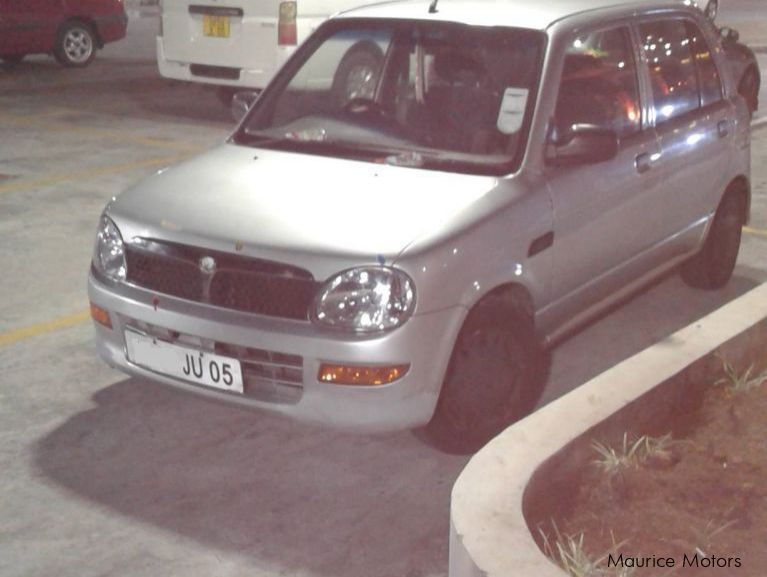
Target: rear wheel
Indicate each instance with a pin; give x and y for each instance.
(712, 267)
(75, 45)
(748, 88)
(712, 9)
(495, 376)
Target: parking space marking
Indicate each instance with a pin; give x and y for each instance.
(19, 185)
(21, 334)
(46, 123)
(755, 231)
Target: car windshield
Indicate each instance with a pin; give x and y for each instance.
(430, 95)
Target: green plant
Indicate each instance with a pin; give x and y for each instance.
(568, 552)
(705, 536)
(611, 461)
(736, 383)
(632, 454)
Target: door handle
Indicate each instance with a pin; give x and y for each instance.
(723, 128)
(643, 162)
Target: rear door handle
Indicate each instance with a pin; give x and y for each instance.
(723, 128)
(643, 162)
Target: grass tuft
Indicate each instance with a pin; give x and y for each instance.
(631, 454)
(740, 383)
(569, 553)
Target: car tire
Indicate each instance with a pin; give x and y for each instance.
(748, 88)
(357, 74)
(495, 376)
(75, 44)
(12, 59)
(225, 95)
(712, 267)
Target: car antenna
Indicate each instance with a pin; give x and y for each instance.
(433, 7)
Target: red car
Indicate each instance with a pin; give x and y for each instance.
(71, 30)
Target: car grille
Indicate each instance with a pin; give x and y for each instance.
(238, 282)
(267, 376)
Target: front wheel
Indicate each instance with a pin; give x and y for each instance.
(75, 45)
(495, 377)
(712, 267)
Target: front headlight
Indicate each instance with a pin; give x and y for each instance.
(109, 252)
(365, 299)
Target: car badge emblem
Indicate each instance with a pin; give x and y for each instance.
(208, 265)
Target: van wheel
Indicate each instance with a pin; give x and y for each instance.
(495, 376)
(357, 74)
(748, 88)
(712, 267)
(75, 45)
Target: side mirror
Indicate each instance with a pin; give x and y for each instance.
(729, 34)
(582, 144)
(242, 101)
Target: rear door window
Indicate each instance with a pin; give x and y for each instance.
(683, 74)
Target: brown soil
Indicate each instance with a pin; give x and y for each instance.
(709, 496)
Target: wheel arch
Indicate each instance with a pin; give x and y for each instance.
(515, 296)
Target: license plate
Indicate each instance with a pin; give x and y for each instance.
(216, 26)
(184, 363)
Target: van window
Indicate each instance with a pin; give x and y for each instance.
(599, 84)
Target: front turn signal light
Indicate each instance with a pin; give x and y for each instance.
(362, 376)
(101, 316)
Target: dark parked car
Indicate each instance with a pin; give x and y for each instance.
(745, 67)
(71, 30)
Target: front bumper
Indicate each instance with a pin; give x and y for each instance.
(424, 342)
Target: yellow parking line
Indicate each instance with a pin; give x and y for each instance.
(18, 185)
(17, 335)
(755, 231)
(47, 124)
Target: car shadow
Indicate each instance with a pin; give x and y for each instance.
(648, 318)
(283, 493)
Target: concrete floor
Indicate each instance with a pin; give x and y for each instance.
(106, 475)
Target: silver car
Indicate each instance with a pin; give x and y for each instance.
(405, 253)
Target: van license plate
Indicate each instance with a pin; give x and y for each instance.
(215, 26)
(184, 363)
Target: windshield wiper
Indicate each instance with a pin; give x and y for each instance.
(251, 139)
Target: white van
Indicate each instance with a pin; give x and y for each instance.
(238, 44)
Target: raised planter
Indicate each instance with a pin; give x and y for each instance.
(527, 473)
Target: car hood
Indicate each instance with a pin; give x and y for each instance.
(277, 204)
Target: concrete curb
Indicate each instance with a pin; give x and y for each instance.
(489, 532)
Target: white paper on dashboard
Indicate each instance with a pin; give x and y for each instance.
(512, 110)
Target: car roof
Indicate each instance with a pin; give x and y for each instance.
(535, 14)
